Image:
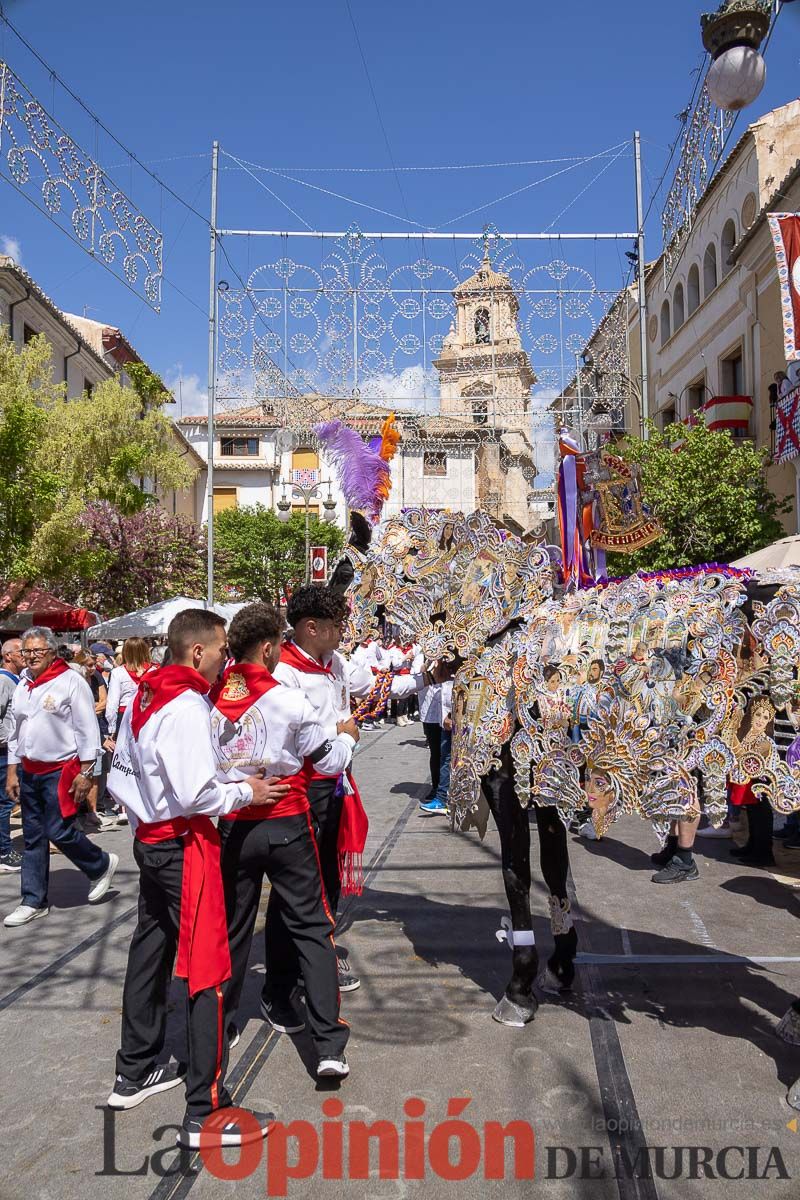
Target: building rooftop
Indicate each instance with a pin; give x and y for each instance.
(7, 263)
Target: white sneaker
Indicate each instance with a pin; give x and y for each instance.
(724, 831)
(587, 830)
(23, 914)
(336, 1067)
(101, 885)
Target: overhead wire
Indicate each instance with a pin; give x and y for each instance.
(518, 191)
(378, 111)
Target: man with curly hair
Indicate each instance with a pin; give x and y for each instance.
(311, 661)
(259, 724)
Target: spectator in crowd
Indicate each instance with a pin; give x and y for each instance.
(438, 804)
(124, 681)
(10, 859)
(52, 747)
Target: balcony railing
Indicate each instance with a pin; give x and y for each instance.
(787, 427)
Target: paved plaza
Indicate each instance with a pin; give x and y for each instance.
(666, 1041)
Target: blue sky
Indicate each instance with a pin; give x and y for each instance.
(283, 85)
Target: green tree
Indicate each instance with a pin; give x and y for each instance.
(27, 497)
(710, 494)
(58, 455)
(121, 561)
(262, 556)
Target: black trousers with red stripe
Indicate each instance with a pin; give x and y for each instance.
(283, 849)
(144, 1000)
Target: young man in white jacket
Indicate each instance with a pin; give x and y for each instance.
(165, 774)
(52, 747)
(311, 661)
(258, 723)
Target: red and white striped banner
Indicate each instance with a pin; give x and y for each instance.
(785, 230)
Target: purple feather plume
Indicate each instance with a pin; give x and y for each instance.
(363, 475)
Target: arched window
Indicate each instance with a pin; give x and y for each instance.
(678, 311)
(693, 289)
(482, 326)
(665, 327)
(726, 246)
(709, 269)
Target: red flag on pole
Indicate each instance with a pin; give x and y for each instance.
(785, 230)
(319, 564)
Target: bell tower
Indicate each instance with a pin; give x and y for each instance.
(485, 379)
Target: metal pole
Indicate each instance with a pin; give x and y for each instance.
(307, 497)
(212, 368)
(580, 401)
(644, 408)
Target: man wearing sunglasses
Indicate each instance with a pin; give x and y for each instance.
(52, 747)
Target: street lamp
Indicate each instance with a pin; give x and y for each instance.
(305, 485)
(733, 37)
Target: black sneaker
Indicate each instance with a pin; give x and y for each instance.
(676, 871)
(335, 1067)
(348, 982)
(219, 1129)
(126, 1093)
(662, 857)
(284, 1018)
(11, 861)
(233, 1035)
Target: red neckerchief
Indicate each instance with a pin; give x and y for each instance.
(57, 667)
(161, 686)
(293, 656)
(137, 676)
(240, 687)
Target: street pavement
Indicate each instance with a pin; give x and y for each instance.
(667, 1040)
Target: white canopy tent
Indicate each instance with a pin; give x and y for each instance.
(152, 621)
(783, 553)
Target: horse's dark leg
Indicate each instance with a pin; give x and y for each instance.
(554, 859)
(519, 1004)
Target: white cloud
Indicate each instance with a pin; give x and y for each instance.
(191, 394)
(414, 387)
(11, 247)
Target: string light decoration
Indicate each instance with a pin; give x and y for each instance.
(42, 161)
(477, 334)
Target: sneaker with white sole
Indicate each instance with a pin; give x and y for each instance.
(233, 1035)
(11, 861)
(220, 1129)
(283, 1018)
(333, 1067)
(23, 914)
(128, 1093)
(100, 886)
(348, 980)
(588, 831)
(721, 831)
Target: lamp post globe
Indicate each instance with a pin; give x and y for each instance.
(736, 78)
(284, 510)
(329, 511)
(733, 36)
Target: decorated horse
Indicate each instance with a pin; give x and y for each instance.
(623, 697)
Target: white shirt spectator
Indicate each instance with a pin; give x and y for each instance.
(53, 722)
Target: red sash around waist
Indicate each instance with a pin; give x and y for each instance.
(204, 958)
(293, 803)
(70, 768)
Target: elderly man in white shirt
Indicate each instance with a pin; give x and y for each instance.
(52, 747)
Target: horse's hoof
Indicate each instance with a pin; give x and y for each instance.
(547, 981)
(793, 1095)
(516, 1016)
(788, 1027)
